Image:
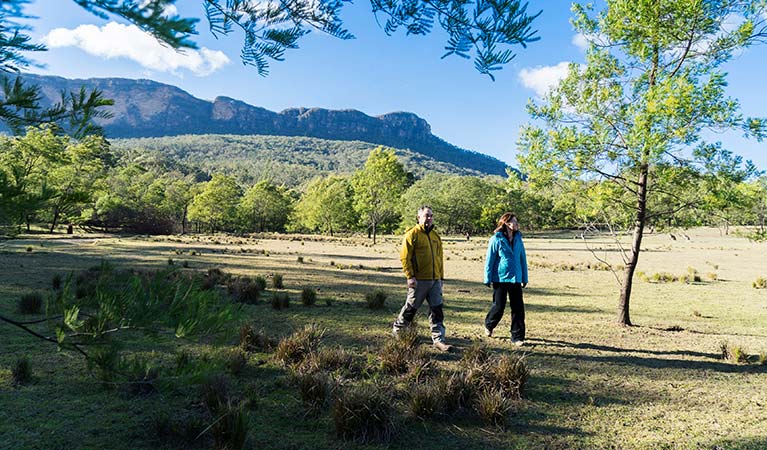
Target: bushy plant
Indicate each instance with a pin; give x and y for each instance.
(280, 300)
(252, 340)
(733, 353)
(330, 360)
(308, 297)
(277, 281)
(244, 290)
(31, 303)
(21, 373)
(313, 388)
(375, 299)
(396, 354)
(294, 348)
(493, 407)
(363, 414)
(475, 354)
(510, 373)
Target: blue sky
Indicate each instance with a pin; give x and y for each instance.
(374, 73)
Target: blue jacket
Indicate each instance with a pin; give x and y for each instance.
(505, 263)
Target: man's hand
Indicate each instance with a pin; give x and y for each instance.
(524, 285)
(412, 283)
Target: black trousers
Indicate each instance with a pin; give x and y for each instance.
(514, 292)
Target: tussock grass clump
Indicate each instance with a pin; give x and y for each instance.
(181, 429)
(280, 300)
(230, 426)
(330, 360)
(314, 388)
(457, 391)
(31, 303)
(363, 414)
(425, 400)
(733, 353)
(300, 260)
(663, 277)
(507, 373)
(308, 297)
(375, 299)
(56, 282)
(260, 282)
(215, 392)
(21, 373)
(244, 290)
(475, 354)
(692, 276)
(213, 277)
(299, 345)
(277, 281)
(141, 376)
(252, 340)
(712, 276)
(493, 407)
(235, 361)
(399, 354)
(760, 283)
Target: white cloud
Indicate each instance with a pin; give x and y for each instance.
(542, 78)
(115, 40)
(581, 41)
(170, 10)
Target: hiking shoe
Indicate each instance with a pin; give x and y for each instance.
(519, 343)
(443, 347)
(488, 332)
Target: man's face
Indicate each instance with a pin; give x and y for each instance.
(425, 217)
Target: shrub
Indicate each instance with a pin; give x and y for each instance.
(375, 299)
(31, 303)
(493, 408)
(252, 340)
(760, 283)
(294, 348)
(363, 414)
(308, 297)
(277, 281)
(280, 300)
(56, 282)
(244, 290)
(21, 372)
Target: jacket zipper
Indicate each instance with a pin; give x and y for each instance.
(433, 268)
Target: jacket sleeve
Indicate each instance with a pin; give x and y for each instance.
(441, 260)
(490, 261)
(406, 255)
(522, 261)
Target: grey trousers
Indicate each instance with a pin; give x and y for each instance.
(431, 291)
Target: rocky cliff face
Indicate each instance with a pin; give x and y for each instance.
(145, 108)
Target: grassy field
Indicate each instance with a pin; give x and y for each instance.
(659, 384)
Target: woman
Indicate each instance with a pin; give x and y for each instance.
(506, 270)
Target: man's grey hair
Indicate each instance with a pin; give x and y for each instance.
(423, 208)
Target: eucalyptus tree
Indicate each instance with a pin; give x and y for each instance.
(378, 187)
(651, 84)
(215, 206)
(327, 205)
(265, 207)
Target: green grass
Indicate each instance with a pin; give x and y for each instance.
(592, 384)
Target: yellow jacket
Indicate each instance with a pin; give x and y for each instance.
(421, 254)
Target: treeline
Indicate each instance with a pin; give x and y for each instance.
(53, 179)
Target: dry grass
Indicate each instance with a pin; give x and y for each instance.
(592, 384)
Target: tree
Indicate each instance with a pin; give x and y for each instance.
(326, 205)
(378, 187)
(485, 28)
(215, 207)
(650, 85)
(265, 207)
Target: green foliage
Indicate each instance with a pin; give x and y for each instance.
(378, 188)
(363, 414)
(631, 114)
(326, 205)
(375, 299)
(215, 207)
(31, 303)
(265, 207)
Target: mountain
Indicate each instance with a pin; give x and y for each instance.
(145, 108)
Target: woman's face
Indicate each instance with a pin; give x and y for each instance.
(512, 224)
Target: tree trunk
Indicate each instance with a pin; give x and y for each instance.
(624, 317)
(374, 233)
(55, 220)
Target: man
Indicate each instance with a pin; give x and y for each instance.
(421, 257)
